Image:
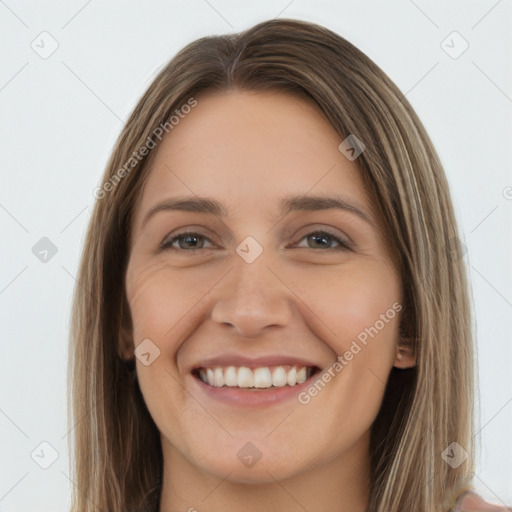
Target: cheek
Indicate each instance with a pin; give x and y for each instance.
(159, 297)
(361, 306)
(352, 299)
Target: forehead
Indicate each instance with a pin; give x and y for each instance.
(249, 150)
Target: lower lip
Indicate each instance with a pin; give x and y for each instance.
(252, 397)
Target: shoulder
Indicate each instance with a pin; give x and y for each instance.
(472, 502)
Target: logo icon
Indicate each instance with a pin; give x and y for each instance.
(352, 147)
(146, 352)
(45, 45)
(454, 45)
(249, 249)
(454, 455)
(249, 454)
(44, 455)
(44, 250)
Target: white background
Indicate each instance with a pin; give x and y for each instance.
(61, 115)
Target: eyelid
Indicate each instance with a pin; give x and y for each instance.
(320, 228)
(171, 238)
(344, 242)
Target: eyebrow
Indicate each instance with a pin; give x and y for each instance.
(287, 205)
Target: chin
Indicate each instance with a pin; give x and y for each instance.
(267, 469)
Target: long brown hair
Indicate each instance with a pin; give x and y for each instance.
(117, 464)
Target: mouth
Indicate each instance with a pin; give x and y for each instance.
(262, 378)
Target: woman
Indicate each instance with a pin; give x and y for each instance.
(266, 314)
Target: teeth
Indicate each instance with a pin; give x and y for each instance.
(279, 377)
(263, 377)
(230, 378)
(218, 377)
(301, 375)
(245, 378)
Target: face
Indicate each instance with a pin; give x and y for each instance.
(257, 286)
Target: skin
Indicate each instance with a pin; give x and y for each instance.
(472, 502)
(300, 297)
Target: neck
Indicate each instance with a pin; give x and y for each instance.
(338, 485)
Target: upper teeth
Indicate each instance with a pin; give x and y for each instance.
(264, 377)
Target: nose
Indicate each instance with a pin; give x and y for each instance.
(252, 298)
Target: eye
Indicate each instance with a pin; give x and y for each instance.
(323, 237)
(188, 237)
(190, 242)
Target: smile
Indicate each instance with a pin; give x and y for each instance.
(264, 377)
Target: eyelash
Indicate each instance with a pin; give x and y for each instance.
(344, 245)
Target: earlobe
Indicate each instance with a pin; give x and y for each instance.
(405, 357)
(125, 344)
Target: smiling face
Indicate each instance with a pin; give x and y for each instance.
(263, 282)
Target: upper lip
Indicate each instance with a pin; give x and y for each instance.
(253, 362)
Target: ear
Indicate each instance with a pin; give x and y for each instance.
(125, 344)
(405, 357)
(406, 347)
